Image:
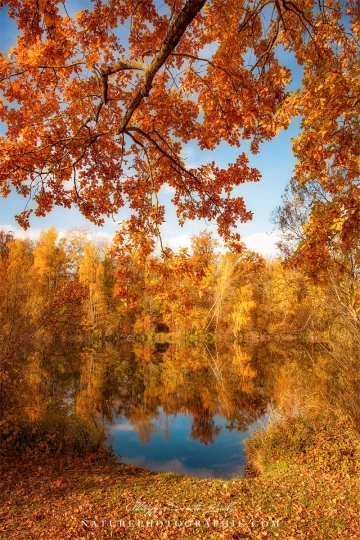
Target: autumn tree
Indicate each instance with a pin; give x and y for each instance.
(5, 238)
(203, 247)
(315, 237)
(55, 293)
(50, 263)
(327, 149)
(16, 321)
(98, 107)
(92, 276)
(329, 257)
(73, 243)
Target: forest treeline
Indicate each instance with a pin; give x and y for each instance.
(74, 287)
(66, 303)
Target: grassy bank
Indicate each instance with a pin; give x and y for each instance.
(54, 434)
(307, 489)
(322, 444)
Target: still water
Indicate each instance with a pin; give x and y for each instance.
(172, 448)
(193, 410)
(175, 407)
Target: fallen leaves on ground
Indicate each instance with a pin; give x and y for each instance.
(97, 497)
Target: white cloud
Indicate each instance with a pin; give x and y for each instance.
(263, 243)
(174, 465)
(33, 233)
(102, 235)
(123, 427)
(166, 188)
(188, 152)
(177, 242)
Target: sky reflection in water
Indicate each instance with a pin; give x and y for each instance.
(172, 449)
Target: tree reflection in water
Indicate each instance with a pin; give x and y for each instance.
(146, 384)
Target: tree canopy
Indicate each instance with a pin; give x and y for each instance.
(98, 107)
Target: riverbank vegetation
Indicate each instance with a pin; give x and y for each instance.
(309, 489)
(47, 284)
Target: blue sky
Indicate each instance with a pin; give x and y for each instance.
(274, 161)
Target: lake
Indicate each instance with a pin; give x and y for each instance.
(172, 447)
(183, 408)
(192, 408)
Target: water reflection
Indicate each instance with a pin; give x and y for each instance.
(173, 448)
(179, 407)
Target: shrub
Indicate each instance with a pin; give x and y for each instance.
(53, 434)
(329, 444)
